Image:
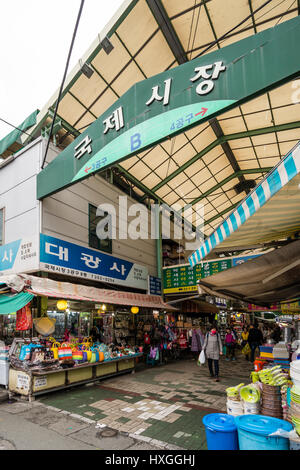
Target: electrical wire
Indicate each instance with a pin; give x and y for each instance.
(232, 29)
(196, 27)
(17, 128)
(64, 78)
(191, 28)
(294, 1)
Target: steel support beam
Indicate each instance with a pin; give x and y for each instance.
(215, 125)
(220, 214)
(167, 29)
(226, 138)
(229, 178)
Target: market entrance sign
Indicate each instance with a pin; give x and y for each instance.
(176, 100)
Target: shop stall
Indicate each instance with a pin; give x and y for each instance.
(80, 335)
(36, 371)
(274, 391)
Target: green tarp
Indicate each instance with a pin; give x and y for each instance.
(15, 134)
(13, 303)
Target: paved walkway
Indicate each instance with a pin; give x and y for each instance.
(162, 406)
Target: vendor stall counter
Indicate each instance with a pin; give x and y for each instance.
(33, 383)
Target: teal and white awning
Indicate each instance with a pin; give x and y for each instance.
(279, 219)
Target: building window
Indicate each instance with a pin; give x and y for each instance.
(1, 226)
(94, 241)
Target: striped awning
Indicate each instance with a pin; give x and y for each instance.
(279, 218)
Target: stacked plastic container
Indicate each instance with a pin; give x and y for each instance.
(4, 364)
(234, 403)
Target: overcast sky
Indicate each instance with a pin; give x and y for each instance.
(35, 36)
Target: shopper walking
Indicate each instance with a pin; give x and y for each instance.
(245, 336)
(197, 342)
(276, 334)
(255, 339)
(213, 350)
(230, 345)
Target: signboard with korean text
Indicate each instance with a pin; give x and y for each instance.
(257, 308)
(292, 306)
(61, 257)
(183, 278)
(154, 285)
(23, 381)
(213, 267)
(176, 100)
(20, 256)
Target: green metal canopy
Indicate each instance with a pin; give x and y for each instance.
(174, 101)
(216, 162)
(13, 137)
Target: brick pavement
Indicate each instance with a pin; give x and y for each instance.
(160, 404)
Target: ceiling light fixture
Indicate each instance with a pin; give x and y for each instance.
(107, 45)
(86, 69)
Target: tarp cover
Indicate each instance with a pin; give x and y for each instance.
(66, 290)
(13, 303)
(267, 279)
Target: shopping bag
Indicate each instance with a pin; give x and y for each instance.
(157, 355)
(25, 351)
(54, 349)
(201, 358)
(24, 319)
(246, 349)
(37, 354)
(95, 355)
(65, 352)
(77, 355)
(87, 352)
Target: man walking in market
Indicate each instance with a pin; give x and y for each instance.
(255, 339)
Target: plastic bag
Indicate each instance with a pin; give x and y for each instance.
(201, 358)
(283, 433)
(246, 349)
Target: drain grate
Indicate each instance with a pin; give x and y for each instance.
(108, 433)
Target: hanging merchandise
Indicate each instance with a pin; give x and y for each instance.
(65, 352)
(182, 341)
(24, 319)
(45, 326)
(147, 339)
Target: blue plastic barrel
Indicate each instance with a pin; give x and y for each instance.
(221, 432)
(254, 430)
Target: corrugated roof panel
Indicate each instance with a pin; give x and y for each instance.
(104, 102)
(230, 126)
(285, 115)
(259, 120)
(156, 56)
(137, 27)
(110, 65)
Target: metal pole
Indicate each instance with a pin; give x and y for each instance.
(158, 240)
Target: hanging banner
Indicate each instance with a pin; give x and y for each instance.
(176, 100)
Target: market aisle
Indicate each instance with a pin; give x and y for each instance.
(159, 404)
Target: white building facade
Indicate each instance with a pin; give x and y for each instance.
(57, 234)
